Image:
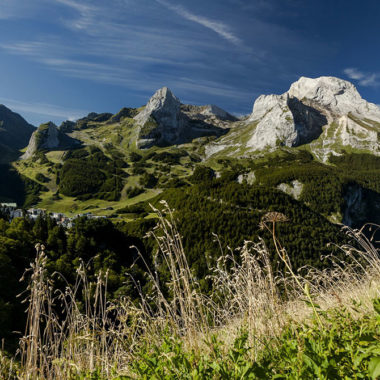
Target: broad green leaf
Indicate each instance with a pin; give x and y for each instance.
(374, 368)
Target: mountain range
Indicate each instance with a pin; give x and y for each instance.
(105, 161)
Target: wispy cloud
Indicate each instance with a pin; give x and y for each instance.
(211, 87)
(365, 79)
(87, 14)
(218, 27)
(66, 61)
(11, 9)
(353, 73)
(43, 109)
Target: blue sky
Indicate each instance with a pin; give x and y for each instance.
(61, 59)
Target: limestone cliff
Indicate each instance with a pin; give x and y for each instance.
(326, 112)
(299, 115)
(165, 121)
(48, 137)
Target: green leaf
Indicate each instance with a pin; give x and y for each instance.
(376, 305)
(374, 368)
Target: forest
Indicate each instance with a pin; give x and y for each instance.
(213, 216)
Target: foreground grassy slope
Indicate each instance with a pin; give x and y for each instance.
(259, 323)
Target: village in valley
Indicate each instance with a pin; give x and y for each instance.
(12, 211)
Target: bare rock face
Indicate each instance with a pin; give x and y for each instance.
(48, 137)
(165, 121)
(213, 111)
(276, 124)
(361, 206)
(160, 120)
(326, 108)
(338, 96)
(283, 120)
(294, 188)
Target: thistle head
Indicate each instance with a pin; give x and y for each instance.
(273, 217)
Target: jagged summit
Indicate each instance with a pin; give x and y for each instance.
(326, 112)
(331, 94)
(163, 106)
(163, 97)
(165, 120)
(337, 95)
(299, 115)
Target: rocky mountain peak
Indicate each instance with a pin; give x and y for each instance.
(163, 97)
(213, 110)
(326, 112)
(325, 86)
(297, 116)
(163, 101)
(160, 119)
(336, 95)
(48, 137)
(164, 120)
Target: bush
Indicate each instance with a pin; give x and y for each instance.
(148, 180)
(201, 174)
(135, 157)
(134, 191)
(41, 178)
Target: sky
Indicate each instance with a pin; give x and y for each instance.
(61, 59)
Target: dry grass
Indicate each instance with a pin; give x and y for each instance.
(66, 337)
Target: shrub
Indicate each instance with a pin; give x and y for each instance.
(132, 192)
(41, 178)
(202, 174)
(148, 180)
(134, 157)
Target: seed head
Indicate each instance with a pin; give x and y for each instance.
(273, 217)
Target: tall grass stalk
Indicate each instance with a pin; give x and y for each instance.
(184, 309)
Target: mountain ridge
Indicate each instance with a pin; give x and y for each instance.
(105, 162)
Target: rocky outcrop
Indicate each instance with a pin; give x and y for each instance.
(294, 189)
(165, 121)
(160, 121)
(123, 113)
(283, 120)
(92, 117)
(310, 108)
(49, 137)
(338, 96)
(67, 126)
(361, 206)
(209, 113)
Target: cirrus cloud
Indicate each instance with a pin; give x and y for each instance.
(365, 79)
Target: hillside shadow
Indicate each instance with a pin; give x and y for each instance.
(12, 187)
(308, 121)
(191, 129)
